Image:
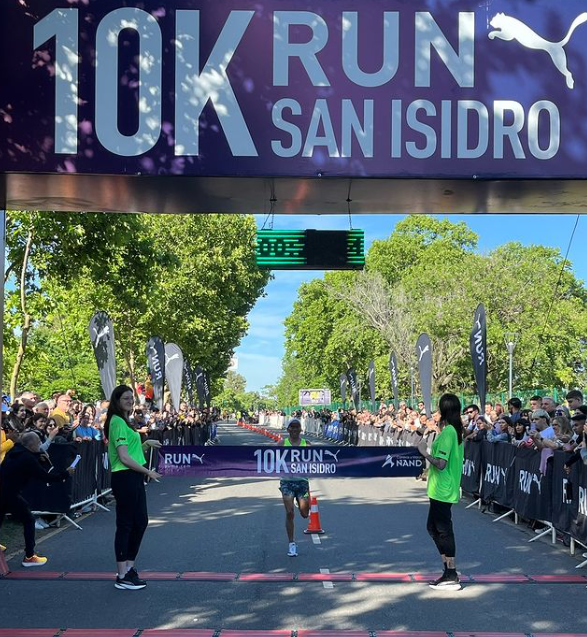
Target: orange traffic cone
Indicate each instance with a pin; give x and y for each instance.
(4, 569)
(314, 526)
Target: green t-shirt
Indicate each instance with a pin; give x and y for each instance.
(445, 485)
(122, 434)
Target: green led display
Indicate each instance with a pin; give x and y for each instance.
(311, 249)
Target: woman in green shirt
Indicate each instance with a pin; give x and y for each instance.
(127, 463)
(444, 485)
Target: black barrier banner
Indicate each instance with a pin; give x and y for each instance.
(579, 486)
(353, 386)
(207, 389)
(343, 382)
(564, 494)
(199, 372)
(174, 372)
(478, 346)
(471, 467)
(102, 338)
(372, 383)
(55, 497)
(424, 354)
(188, 381)
(335, 462)
(531, 489)
(393, 372)
(156, 365)
(498, 462)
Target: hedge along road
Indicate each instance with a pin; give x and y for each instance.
(236, 526)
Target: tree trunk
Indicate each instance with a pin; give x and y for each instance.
(26, 317)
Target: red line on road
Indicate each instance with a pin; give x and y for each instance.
(502, 578)
(562, 579)
(266, 577)
(159, 575)
(34, 575)
(488, 634)
(208, 576)
(255, 633)
(28, 632)
(100, 632)
(408, 633)
(80, 575)
(206, 632)
(178, 632)
(489, 578)
(325, 577)
(383, 577)
(334, 633)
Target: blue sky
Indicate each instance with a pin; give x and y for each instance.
(262, 348)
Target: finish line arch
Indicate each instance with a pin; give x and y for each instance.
(232, 107)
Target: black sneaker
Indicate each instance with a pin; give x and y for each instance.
(448, 582)
(134, 575)
(127, 583)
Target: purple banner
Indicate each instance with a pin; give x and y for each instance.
(291, 462)
(381, 88)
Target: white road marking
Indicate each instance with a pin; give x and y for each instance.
(316, 539)
(326, 571)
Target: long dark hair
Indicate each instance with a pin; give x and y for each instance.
(114, 408)
(450, 413)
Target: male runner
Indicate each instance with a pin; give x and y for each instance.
(294, 488)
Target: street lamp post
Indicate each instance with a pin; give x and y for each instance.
(511, 339)
(412, 384)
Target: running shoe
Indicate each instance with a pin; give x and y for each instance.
(2, 547)
(293, 549)
(448, 582)
(127, 583)
(35, 560)
(134, 575)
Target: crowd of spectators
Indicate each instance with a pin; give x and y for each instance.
(63, 419)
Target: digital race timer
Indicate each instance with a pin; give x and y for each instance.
(311, 249)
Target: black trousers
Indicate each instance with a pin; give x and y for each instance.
(439, 527)
(131, 513)
(19, 507)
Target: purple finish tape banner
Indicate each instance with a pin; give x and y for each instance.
(291, 462)
(380, 88)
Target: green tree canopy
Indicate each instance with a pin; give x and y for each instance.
(428, 277)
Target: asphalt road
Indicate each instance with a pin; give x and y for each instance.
(237, 525)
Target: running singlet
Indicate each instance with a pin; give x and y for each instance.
(287, 443)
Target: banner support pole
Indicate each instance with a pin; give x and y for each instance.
(2, 274)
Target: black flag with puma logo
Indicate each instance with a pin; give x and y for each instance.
(478, 345)
(156, 365)
(102, 338)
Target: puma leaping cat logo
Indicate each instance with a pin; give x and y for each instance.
(334, 455)
(423, 351)
(508, 28)
(200, 459)
(100, 335)
(168, 359)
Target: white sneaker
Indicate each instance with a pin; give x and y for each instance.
(293, 549)
(39, 525)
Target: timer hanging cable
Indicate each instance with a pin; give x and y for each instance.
(554, 295)
(348, 203)
(271, 216)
